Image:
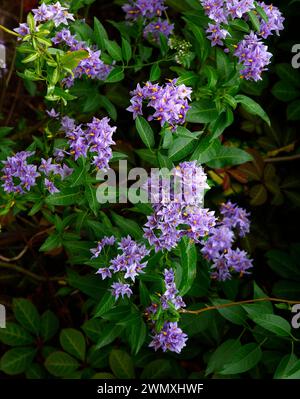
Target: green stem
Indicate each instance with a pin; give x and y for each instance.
(11, 32)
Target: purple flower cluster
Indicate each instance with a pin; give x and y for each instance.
(171, 293)
(128, 264)
(95, 138)
(54, 12)
(253, 56)
(274, 22)
(51, 170)
(218, 246)
(18, 175)
(22, 30)
(252, 53)
(151, 12)
(180, 213)
(92, 66)
(171, 338)
(170, 102)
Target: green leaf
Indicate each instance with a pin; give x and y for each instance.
(222, 355)
(155, 72)
(228, 156)
(17, 360)
(273, 323)
(73, 342)
(254, 20)
(188, 255)
(49, 325)
(127, 226)
(252, 107)
(113, 49)
(285, 366)
(126, 50)
(108, 334)
(106, 303)
(293, 111)
(138, 332)
(181, 147)
(52, 242)
(27, 315)
(145, 131)
(71, 60)
(224, 66)
(90, 196)
(235, 314)
(100, 34)
(243, 360)
(203, 111)
(15, 335)
(148, 155)
(285, 91)
(35, 372)
(115, 75)
(288, 74)
(160, 368)
(68, 196)
(60, 364)
(121, 364)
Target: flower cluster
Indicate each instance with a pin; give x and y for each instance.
(150, 11)
(92, 66)
(96, 138)
(183, 48)
(52, 12)
(252, 53)
(254, 57)
(170, 102)
(218, 246)
(180, 213)
(170, 337)
(19, 176)
(128, 264)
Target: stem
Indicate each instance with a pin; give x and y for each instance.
(227, 305)
(283, 159)
(28, 272)
(11, 32)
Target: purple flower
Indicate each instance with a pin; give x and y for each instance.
(120, 289)
(105, 273)
(50, 186)
(235, 217)
(92, 66)
(217, 34)
(220, 269)
(215, 10)
(219, 242)
(22, 30)
(145, 8)
(238, 260)
(154, 29)
(253, 56)
(274, 22)
(171, 338)
(59, 14)
(18, 175)
(171, 293)
(52, 113)
(237, 8)
(42, 13)
(170, 102)
(101, 244)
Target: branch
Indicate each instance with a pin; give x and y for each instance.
(228, 305)
(28, 273)
(283, 159)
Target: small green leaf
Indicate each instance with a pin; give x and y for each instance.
(127, 226)
(188, 255)
(254, 20)
(73, 342)
(252, 107)
(113, 49)
(71, 60)
(27, 315)
(222, 355)
(145, 131)
(243, 360)
(60, 364)
(202, 111)
(68, 196)
(49, 325)
(160, 368)
(17, 360)
(273, 323)
(116, 75)
(155, 72)
(99, 34)
(181, 147)
(108, 334)
(121, 364)
(126, 50)
(15, 335)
